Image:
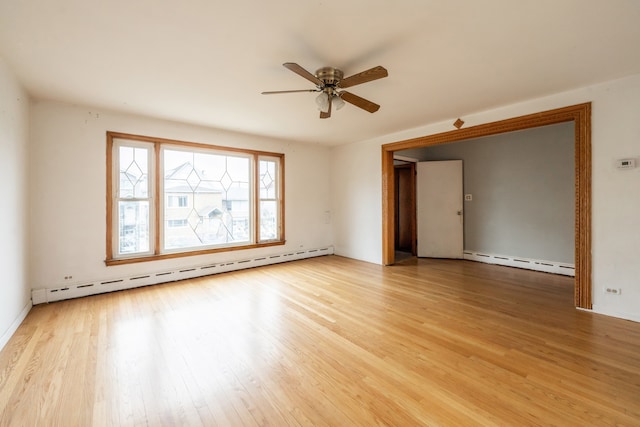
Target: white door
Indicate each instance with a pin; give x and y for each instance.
(439, 209)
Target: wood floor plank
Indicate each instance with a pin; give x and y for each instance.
(326, 341)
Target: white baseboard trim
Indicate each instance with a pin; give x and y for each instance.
(14, 326)
(519, 262)
(634, 317)
(41, 296)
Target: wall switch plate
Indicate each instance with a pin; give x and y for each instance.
(468, 197)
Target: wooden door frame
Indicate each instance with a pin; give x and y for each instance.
(581, 116)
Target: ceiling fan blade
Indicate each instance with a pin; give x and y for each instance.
(289, 91)
(374, 73)
(326, 115)
(359, 102)
(304, 73)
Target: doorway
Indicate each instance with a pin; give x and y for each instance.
(405, 208)
(580, 115)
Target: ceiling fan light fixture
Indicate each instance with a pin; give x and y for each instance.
(322, 101)
(330, 82)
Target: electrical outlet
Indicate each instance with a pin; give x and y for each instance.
(613, 291)
(468, 197)
(68, 277)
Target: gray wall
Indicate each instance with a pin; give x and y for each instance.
(522, 185)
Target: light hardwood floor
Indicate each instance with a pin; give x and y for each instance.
(326, 341)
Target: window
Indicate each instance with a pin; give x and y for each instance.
(177, 201)
(268, 198)
(211, 198)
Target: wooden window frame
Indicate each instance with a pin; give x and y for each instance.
(158, 198)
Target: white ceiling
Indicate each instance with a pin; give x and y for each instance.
(206, 61)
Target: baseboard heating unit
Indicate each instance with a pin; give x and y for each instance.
(526, 263)
(41, 296)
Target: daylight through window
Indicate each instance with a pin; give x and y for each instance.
(169, 198)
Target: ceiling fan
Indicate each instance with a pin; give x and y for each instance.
(329, 81)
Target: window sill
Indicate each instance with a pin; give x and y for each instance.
(158, 257)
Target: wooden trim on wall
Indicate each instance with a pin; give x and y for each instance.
(583, 288)
(581, 116)
(388, 211)
(282, 204)
(157, 200)
(109, 167)
(256, 197)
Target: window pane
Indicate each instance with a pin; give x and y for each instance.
(268, 179)
(209, 193)
(268, 220)
(134, 162)
(133, 227)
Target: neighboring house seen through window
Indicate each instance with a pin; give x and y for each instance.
(177, 201)
(213, 198)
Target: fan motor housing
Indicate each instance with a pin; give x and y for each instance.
(329, 75)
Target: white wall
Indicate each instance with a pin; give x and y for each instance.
(356, 199)
(616, 194)
(15, 299)
(68, 191)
